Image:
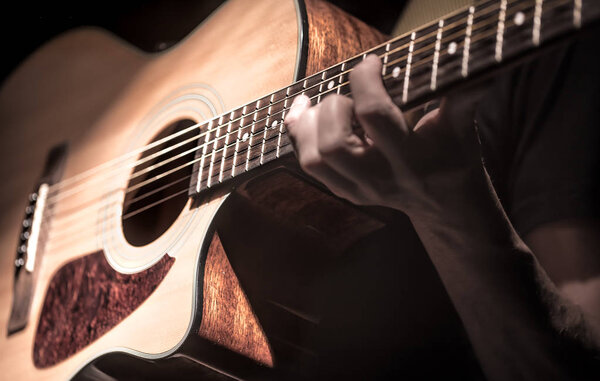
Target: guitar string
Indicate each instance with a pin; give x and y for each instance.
(60, 185)
(131, 214)
(145, 170)
(422, 62)
(258, 134)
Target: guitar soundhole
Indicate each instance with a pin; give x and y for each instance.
(157, 189)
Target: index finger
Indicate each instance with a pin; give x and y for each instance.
(375, 110)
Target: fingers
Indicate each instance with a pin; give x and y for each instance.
(302, 125)
(374, 108)
(339, 146)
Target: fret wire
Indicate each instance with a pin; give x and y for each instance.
(204, 149)
(229, 126)
(264, 142)
(251, 134)
(281, 125)
(213, 155)
(323, 76)
(500, 33)
(537, 22)
(385, 58)
(237, 142)
(436, 56)
(467, 45)
(341, 77)
(407, 70)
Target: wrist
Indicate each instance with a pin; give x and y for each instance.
(470, 208)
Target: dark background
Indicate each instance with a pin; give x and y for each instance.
(152, 25)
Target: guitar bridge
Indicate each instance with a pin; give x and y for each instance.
(30, 246)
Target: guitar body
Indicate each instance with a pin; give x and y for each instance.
(106, 99)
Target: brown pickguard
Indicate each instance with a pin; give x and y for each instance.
(85, 299)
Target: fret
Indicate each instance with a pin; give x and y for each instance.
(280, 129)
(341, 78)
(537, 22)
(203, 155)
(421, 65)
(561, 16)
(213, 154)
(310, 86)
(436, 55)
(264, 143)
(450, 59)
(251, 136)
(226, 145)
(321, 85)
(517, 29)
(484, 39)
(238, 140)
(467, 45)
(262, 117)
(385, 59)
(500, 31)
(329, 80)
(407, 70)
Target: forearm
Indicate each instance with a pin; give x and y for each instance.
(518, 324)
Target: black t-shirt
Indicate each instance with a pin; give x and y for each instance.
(540, 131)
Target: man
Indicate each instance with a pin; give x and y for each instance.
(521, 323)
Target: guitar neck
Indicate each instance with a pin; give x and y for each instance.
(418, 66)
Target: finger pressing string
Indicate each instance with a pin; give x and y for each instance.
(375, 110)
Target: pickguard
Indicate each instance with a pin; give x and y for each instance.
(85, 299)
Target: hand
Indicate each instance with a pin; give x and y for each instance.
(436, 167)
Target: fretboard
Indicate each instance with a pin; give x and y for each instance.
(417, 67)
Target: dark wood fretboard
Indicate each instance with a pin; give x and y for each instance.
(417, 67)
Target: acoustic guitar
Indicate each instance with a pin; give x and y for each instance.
(117, 256)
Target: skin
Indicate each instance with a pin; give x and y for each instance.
(520, 323)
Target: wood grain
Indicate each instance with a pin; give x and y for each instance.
(335, 36)
(227, 317)
(85, 299)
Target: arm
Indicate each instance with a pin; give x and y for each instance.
(517, 322)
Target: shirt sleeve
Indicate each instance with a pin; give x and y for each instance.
(540, 133)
